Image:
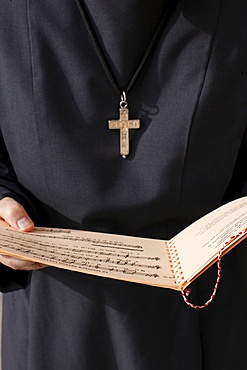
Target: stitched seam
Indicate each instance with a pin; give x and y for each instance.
(200, 93)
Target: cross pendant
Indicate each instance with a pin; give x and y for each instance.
(124, 124)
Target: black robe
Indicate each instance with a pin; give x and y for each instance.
(58, 159)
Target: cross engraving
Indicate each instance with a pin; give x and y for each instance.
(124, 124)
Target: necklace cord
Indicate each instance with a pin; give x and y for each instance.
(145, 57)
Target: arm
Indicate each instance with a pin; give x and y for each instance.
(14, 273)
(238, 184)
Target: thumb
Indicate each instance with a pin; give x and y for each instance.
(15, 215)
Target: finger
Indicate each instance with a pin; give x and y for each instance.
(20, 264)
(16, 216)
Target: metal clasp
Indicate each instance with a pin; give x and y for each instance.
(123, 103)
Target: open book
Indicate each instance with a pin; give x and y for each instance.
(170, 264)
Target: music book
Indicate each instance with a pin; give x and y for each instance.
(170, 264)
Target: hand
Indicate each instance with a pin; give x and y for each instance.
(15, 215)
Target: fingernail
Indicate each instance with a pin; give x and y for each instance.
(24, 222)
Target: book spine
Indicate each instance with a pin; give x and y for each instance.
(175, 262)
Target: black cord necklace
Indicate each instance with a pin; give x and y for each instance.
(124, 123)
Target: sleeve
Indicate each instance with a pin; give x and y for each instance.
(13, 280)
(238, 184)
(9, 187)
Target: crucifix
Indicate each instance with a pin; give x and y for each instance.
(124, 124)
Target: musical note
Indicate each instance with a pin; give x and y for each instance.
(91, 255)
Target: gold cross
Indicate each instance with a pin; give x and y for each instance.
(124, 124)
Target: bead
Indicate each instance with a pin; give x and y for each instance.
(187, 292)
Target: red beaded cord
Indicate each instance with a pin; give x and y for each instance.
(187, 291)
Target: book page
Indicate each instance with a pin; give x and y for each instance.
(120, 257)
(199, 244)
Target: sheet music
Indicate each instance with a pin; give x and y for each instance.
(198, 244)
(119, 257)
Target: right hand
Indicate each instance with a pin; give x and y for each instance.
(15, 215)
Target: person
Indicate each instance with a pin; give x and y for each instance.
(60, 166)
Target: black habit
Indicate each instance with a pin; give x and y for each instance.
(58, 159)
